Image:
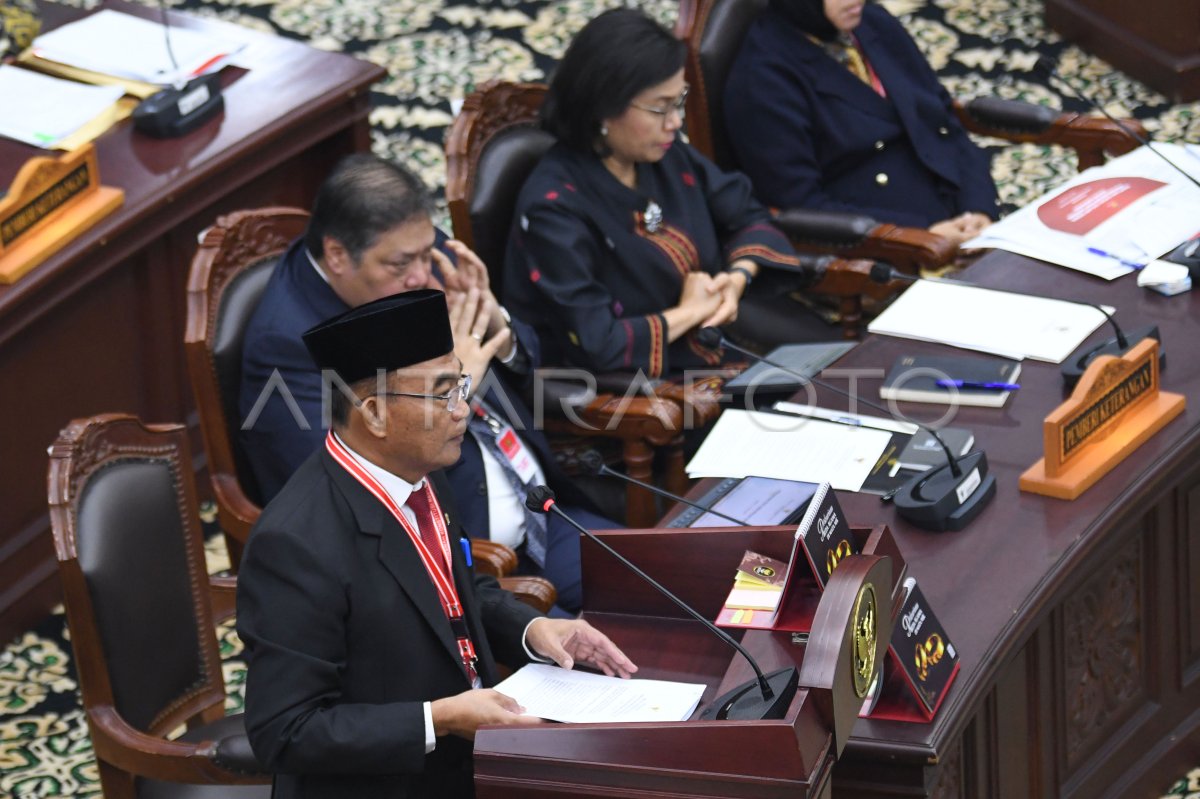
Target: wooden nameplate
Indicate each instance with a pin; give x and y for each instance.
(51, 202)
(1115, 407)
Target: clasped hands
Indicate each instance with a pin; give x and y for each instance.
(565, 641)
(961, 228)
(712, 298)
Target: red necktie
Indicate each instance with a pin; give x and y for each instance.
(419, 502)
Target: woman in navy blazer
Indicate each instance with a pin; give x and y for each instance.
(830, 105)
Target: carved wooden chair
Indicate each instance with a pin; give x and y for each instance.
(713, 31)
(141, 608)
(228, 276)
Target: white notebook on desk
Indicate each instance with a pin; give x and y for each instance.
(1011, 325)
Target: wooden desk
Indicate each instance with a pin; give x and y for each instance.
(1077, 623)
(1156, 41)
(99, 327)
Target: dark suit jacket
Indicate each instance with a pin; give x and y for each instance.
(345, 639)
(296, 298)
(812, 135)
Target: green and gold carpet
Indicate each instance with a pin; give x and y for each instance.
(436, 51)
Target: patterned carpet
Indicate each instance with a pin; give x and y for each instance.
(435, 52)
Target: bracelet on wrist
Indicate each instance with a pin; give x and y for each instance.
(746, 273)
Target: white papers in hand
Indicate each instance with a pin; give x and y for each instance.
(131, 47)
(579, 697)
(41, 110)
(744, 443)
(1011, 325)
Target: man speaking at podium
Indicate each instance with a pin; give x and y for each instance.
(370, 642)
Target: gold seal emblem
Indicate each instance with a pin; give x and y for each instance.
(866, 636)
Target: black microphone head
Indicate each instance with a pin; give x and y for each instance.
(1045, 67)
(881, 272)
(592, 462)
(540, 499)
(709, 337)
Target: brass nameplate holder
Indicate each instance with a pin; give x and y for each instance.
(1115, 407)
(51, 201)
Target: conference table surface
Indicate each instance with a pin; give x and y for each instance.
(997, 582)
(99, 326)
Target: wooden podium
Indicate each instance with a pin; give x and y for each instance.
(790, 757)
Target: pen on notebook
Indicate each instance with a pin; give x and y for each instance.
(978, 384)
(1105, 254)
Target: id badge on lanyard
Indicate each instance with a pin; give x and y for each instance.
(511, 446)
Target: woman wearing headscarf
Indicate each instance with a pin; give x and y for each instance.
(626, 240)
(831, 106)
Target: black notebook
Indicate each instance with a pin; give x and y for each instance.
(913, 378)
(807, 359)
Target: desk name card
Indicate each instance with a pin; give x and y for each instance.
(1116, 406)
(51, 201)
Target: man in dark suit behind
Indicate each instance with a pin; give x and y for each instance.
(371, 236)
(369, 640)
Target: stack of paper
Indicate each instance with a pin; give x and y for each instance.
(1109, 220)
(744, 443)
(128, 47)
(1015, 326)
(549, 692)
(47, 112)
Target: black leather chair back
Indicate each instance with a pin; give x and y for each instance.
(724, 29)
(140, 574)
(237, 304)
(505, 163)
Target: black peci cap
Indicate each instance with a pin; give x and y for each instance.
(391, 333)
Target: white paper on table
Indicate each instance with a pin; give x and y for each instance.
(41, 110)
(1069, 255)
(878, 422)
(131, 47)
(744, 443)
(580, 697)
(1011, 325)
(1143, 229)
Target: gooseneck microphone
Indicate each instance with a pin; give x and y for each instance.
(944, 498)
(593, 463)
(765, 697)
(1074, 367)
(1044, 66)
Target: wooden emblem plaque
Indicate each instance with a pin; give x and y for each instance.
(51, 201)
(1115, 407)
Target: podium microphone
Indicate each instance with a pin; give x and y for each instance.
(183, 106)
(593, 463)
(765, 697)
(944, 498)
(1044, 66)
(1074, 367)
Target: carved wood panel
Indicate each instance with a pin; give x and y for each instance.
(1188, 560)
(949, 780)
(1103, 660)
